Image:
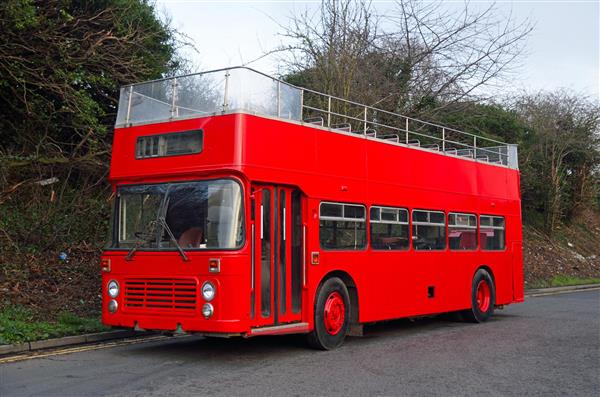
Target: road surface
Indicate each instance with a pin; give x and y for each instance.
(549, 345)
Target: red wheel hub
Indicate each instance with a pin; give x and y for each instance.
(484, 296)
(334, 313)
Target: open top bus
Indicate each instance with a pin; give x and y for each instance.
(247, 206)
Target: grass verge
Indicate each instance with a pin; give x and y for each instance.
(563, 281)
(18, 324)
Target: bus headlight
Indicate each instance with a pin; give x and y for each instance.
(113, 306)
(208, 291)
(113, 289)
(207, 310)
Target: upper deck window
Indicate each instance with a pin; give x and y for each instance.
(492, 233)
(389, 228)
(429, 230)
(342, 226)
(172, 144)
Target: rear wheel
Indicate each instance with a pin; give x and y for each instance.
(483, 298)
(332, 315)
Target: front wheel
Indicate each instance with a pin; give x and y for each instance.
(332, 315)
(483, 298)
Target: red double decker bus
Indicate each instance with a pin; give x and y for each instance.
(247, 206)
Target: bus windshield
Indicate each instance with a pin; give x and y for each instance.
(199, 215)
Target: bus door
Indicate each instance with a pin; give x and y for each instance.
(277, 249)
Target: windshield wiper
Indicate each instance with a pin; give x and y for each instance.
(142, 237)
(163, 222)
(152, 229)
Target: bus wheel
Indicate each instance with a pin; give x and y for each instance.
(483, 298)
(332, 315)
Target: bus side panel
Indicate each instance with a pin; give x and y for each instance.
(518, 287)
(517, 244)
(500, 263)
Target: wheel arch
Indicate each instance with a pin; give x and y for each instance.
(488, 269)
(352, 291)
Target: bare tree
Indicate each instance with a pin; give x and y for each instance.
(445, 54)
(428, 55)
(328, 48)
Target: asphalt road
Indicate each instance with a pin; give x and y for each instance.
(547, 346)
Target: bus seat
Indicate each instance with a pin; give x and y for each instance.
(468, 241)
(483, 240)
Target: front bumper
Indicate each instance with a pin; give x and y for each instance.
(175, 324)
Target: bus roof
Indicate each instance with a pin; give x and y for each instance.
(245, 90)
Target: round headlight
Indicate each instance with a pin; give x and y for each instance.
(208, 291)
(113, 306)
(207, 310)
(113, 288)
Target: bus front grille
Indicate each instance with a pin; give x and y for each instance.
(161, 294)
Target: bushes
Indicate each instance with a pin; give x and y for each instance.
(560, 155)
(61, 65)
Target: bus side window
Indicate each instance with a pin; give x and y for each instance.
(429, 230)
(342, 226)
(389, 228)
(462, 231)
(492, 231)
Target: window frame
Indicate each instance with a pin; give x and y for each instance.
(112, 244)
(344, 219)
(200, 131)
(420, 223)
(493, 228)
(476, 228)
(389, 222)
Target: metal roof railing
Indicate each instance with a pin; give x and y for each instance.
(243, 89)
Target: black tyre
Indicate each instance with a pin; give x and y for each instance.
(483, 298)
(332, 315)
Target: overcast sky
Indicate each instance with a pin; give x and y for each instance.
(563, 51)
